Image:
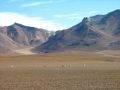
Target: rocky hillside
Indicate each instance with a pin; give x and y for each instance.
(18, 36)
(100, 32)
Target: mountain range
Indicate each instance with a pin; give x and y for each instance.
(96, 33)
(18, 36)
(100, 32)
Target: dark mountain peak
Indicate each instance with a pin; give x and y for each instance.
(26, 35)
(93, 33)
(17, 24)
(23, 26)
(85, 20)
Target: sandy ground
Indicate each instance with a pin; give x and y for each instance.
(25, 51)
(60, 72)
(110, 52)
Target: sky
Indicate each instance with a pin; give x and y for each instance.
(52, 14)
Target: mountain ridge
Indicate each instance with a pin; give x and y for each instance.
(21, 36)
(99, 32)
(96, 33)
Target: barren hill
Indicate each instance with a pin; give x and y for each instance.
(100, 32)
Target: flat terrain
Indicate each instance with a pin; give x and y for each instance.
(25, 51)
(75, 71)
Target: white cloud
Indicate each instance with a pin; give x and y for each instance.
(8, 18)
(32, 4)
(69, 16)
(76, 15)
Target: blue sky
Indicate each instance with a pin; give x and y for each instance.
(52, 14)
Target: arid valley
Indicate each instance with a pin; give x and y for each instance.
(59, 44)
(75, 71)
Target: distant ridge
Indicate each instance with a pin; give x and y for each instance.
(100, 32)
(96, 33)
(18, 36)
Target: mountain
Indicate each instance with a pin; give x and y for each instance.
(100, 32)
(19, 36)
(26, 35)
(6, 44)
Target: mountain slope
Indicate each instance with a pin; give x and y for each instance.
(26, 35)
(19, 36)
(99, 32)
(6, 44)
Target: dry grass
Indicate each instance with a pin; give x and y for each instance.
(78, 71)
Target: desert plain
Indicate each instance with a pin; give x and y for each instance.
(63, 71)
